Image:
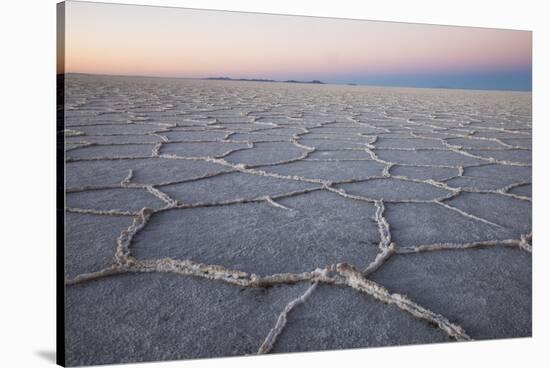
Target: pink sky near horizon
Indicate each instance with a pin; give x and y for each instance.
(142, 40)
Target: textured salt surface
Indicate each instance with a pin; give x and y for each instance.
(487, 290)
(156, 313)
(319, 228)
(338, 318)
(209, 218)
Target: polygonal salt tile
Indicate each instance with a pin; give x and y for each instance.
(491, 177)
(115, 139)
(156, 317)
(124, 199)
(110, 151)
(145, 171)
(497, 134)
(201, 149)
(205, 135)
(424, 173)
(328, 170)
(523, 190)
(486, 291)
(511, 213)
(355, 137)
(327, 129)
(339, 155)
(394, 190)
(333, 144)
(285, 131)
(407, 143)
(343, 318)
(122, 129)
(428, 223)
(232, 186)
(318, 229)
(523, 157)
(267, 153)
(90, 241)
(472, 143)
(447, 158)
(526, 142)
(256, 137)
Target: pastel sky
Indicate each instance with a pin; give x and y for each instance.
(158, 41)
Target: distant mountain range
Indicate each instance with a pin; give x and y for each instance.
(262, 80)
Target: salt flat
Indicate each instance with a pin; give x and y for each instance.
(218, 218)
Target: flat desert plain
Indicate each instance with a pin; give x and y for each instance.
(217, 218)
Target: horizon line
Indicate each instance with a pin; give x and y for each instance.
(266, 80)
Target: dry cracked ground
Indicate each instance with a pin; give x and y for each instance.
(217, 218)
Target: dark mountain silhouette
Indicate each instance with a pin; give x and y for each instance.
(262, 80)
